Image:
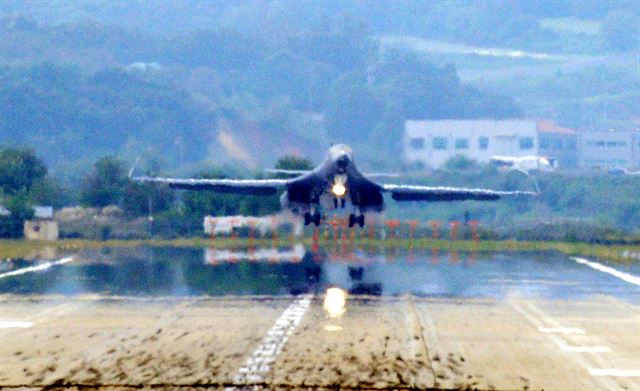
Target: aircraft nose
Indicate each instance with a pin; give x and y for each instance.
(343, 161)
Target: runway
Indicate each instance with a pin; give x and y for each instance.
(128, 318)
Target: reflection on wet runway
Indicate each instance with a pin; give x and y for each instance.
(149, 271)
(214, 256)
(334, 305)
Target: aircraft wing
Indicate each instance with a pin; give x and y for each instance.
(434, 194)
(286, 172)
(305, 172)
(238, 186)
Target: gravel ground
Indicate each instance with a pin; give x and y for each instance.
(376, 343)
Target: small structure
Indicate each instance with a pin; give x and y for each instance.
(227, 224)
(4, 212)
(42, 226)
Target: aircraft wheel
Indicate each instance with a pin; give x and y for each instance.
(352, 220)
(361, 221)
(316, 219)
(307, 218)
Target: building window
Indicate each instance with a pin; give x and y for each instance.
(557, 144)
(526, 143)
(439, 143)
(600, 144)
(616, 144)
(544, 143)
(462, 143)
(571, 144)
(483, 142)
(417, 143)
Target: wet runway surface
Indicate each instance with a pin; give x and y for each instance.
(291, 317)
(294, 270)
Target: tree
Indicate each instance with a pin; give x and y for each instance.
(198, 204)
(11, 226)
(50, 192)
(294, 163)
(461, 163)
(105, 184)
(291, 162)
(140, 199)
(19, 170)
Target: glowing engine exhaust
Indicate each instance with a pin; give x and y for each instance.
(339, 189)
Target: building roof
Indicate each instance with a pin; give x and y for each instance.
(43, 212)
(546, 126)
(4, 211)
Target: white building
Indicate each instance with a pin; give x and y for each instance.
(607, 150)
(433, 143)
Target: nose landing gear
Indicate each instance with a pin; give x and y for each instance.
(312, 218)
(353, 220)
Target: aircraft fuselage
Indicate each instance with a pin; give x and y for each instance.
(334, 184)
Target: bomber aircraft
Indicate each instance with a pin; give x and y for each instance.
(335, 184)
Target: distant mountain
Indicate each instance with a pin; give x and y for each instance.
(532, 25)
(82, 90)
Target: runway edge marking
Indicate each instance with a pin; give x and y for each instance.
(604, 381)
(606, 269)
(261, 360)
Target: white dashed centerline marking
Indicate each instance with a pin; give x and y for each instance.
(260, 362)
(606, 269)
(40, 267)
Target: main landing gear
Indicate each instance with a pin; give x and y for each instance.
(312, 218)
(353, 220)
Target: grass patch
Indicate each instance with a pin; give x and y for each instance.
(615, 253)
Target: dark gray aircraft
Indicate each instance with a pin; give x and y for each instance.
(337, 184)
